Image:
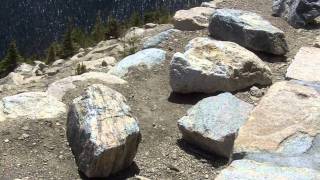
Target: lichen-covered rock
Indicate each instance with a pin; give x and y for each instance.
(148, 57)
(192, 19)
(285, 126)
(210, 66)
(101, 131)
(247, 29)
(31, 105)
(251, 170)
(212, 124)
(59, 88)
(159, 38)
(298, 13)
(306, 65)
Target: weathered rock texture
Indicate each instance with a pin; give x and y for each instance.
(209, 66)
(285, 126)
(59, 88)
(148, 57)
(212, 124)
(251, 170)
(159, 38)
(249, 30)
(101, 131)
(193, 19)
(297, 13)
(31, 105)
(306, 65)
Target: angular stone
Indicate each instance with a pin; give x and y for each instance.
(59, 88)
(247, 29)
(159, 38)
(192, 19)
(298, 13)
(31, 105)
(284, 127)
(251, 170)
(210, 66)
(212, 124)
(306, 65)
(148, 57)
(101, 131)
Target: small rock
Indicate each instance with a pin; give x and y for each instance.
(6, 140)
(256, 92)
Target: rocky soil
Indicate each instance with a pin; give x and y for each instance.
(38, 148)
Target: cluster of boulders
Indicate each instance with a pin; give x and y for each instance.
(279, 138)
(280, 134)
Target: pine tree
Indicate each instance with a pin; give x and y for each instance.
(68, 49)
(113, 28)
(10, 62)
(98, 31)
(135, 20)
(51, 57)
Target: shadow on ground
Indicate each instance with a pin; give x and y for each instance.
(125, 174)
(215, 161)
(190, 99)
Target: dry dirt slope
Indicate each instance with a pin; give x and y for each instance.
(161, 155)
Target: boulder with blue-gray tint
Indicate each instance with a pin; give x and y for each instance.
(248, 30)
(148, 57)
(251, 170)
(298, 13)
(159, 38)
(210, 66)
(212, 124)
(284, 128)
(101, 131)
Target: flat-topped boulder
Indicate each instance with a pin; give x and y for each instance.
(32, 106)
(212, 124)
(148, 57)
(247, 29)
(210, 66)
(251, 170)
(284, 127)
(192, 19)
(298, 13)
(102, 132)
(59, 88)
(306, 65)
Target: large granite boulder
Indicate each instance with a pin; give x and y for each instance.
(297, 13)
(251, 170)
(210, 66)
(148, 57)
(31, 105)
(306, 65)
(193, 19)
(247, 29)
(159, 38)
(212, 124)
(101, 131)
(59, 88)
(285, 126)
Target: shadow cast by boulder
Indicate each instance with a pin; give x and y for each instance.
(215, 161)
(270, 57)
(191, 99)
(125, 174)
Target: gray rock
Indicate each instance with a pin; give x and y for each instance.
(210, 66)
(101, 131)
(212, 124)
(148, 57)
(159, 38)
(247, 29)
(297, 13)
(251, 170)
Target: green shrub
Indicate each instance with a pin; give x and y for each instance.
(81, 69)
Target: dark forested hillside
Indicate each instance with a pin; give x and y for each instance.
(34, 24)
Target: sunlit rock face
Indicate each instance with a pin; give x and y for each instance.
(49, 17)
